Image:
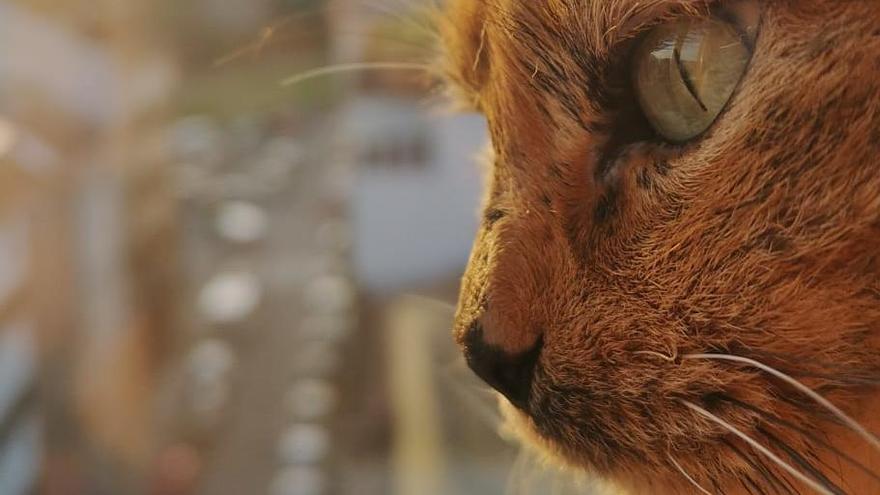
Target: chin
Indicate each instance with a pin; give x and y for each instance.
(519, 427)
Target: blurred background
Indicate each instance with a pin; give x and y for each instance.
(213, 282)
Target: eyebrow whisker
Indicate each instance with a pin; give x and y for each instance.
(354, 67)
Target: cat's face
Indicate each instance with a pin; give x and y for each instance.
(616, 247)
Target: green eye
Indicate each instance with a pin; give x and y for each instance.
(686, 71)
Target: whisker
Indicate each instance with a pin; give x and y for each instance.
(266, 34)
(769, 475)
(810, 436)
(760, 448)
(354, 67)
(411, 45)
(750, 486)
(406, 20)
(800, 461)
(269, 38)
(687, 476)
(846, 419)
(850, 380)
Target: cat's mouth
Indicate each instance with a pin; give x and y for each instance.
(521, 427)
(709, 436)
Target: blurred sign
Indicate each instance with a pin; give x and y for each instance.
(413, 224)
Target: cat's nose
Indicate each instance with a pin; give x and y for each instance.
(509, 374)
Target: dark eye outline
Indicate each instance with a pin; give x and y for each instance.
(676, 38)
(628, 124)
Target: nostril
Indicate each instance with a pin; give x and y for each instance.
(511, 375)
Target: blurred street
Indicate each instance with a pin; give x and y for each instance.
(254, 267)
(213, 283)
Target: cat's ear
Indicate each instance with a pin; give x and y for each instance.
(467, 47)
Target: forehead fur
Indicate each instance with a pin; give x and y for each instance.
(526, 32)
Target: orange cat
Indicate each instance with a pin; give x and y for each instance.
(680, 247)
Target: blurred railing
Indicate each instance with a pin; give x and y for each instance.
(20, 424)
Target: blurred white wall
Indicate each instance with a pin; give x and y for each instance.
(414, 222)
(73, 73)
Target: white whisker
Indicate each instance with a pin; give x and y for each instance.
(406, 20)
(760, 448)
(846, 419)
(353, 67)
(687, 476)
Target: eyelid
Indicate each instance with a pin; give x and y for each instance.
(641, 20)
(670, 102)
(744, 15)
(648, 17)
(746, 24)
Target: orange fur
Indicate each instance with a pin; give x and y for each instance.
(761, 238)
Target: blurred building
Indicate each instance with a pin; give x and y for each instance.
(212, 283)
(87, 236)
(416, 194)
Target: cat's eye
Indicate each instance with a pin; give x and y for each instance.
(686, 71)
